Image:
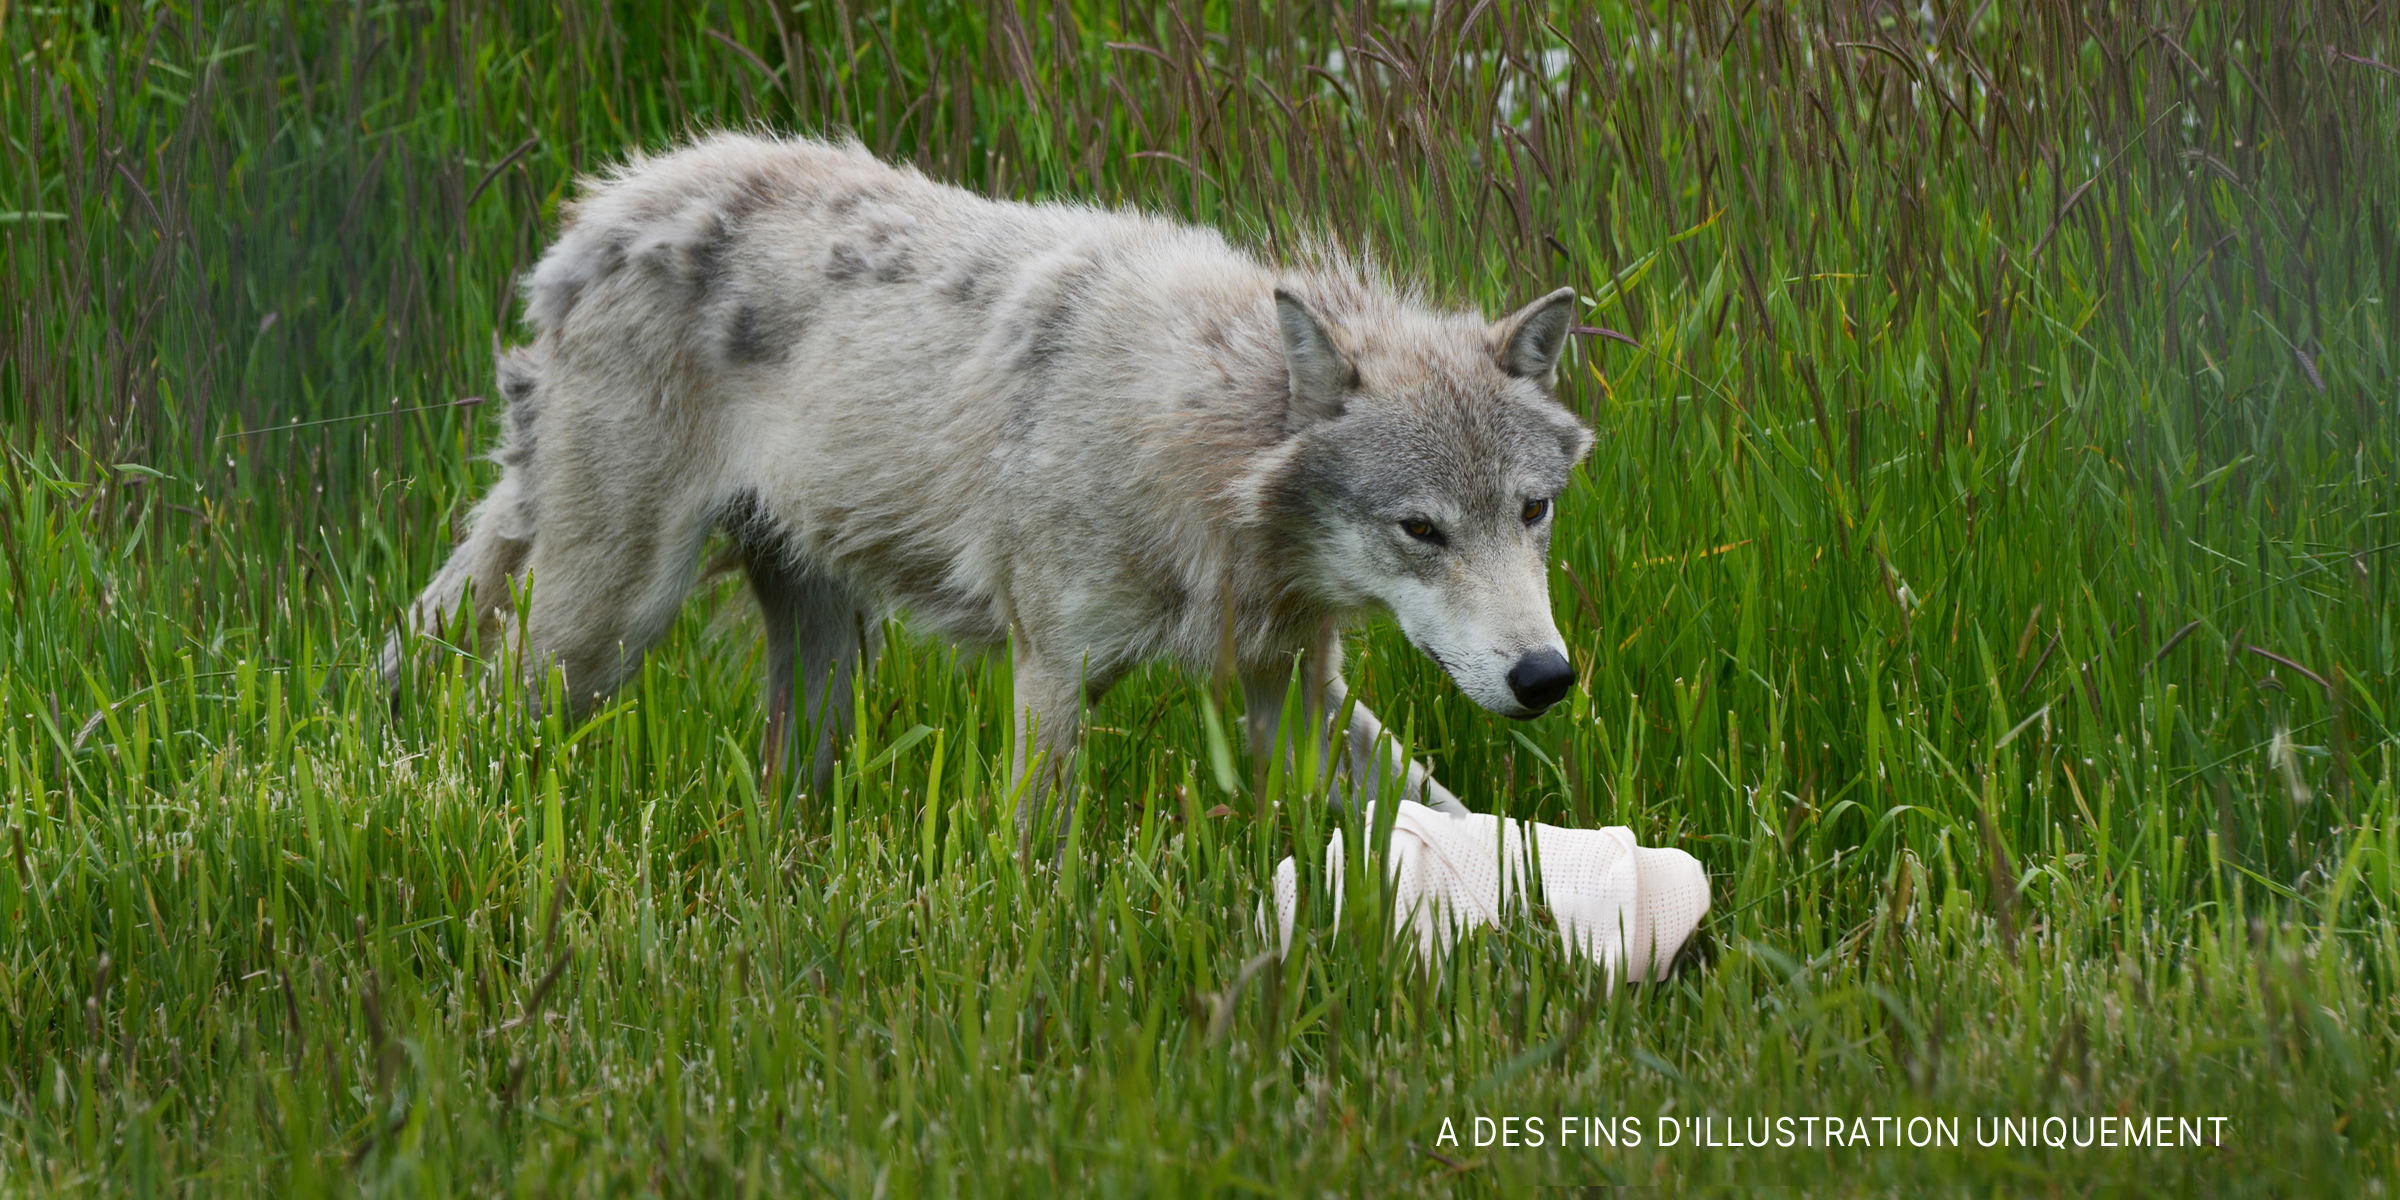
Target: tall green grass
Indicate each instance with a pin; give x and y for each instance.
(1985, 568)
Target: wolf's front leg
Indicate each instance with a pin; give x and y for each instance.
(820, 632)
(1365, 764)
(1049, 715)
(1369, 763)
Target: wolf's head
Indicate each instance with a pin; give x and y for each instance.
(1424, 459)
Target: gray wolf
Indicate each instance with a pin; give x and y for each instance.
(1094, 437)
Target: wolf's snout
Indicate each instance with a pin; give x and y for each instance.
(1540, 678)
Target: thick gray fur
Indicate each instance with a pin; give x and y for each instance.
(1089, 435)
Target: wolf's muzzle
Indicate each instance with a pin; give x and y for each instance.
(1540, 678)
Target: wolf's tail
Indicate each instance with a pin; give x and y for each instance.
(499, 531)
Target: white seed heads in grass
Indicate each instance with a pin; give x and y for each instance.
(2286, 761)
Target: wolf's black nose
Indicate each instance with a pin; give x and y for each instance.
(1540, 678)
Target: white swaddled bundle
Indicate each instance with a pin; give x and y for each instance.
(1627, 907)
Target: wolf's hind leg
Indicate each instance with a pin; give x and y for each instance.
(606, 578)
(820, 633)
(1049, 720)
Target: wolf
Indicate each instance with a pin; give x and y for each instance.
(1093, 437)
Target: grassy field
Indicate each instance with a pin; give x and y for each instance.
(1986, 568)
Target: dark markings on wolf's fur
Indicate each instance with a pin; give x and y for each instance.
(756, 191)
(957, 283)
(1044, 333)
(1036, 338)
(709, 256)
(848, 201)
(844, 261)
(880, 246)
(679, 247)
(706, 257)
(982, 266)
(754, 337)
(755, 533)
(520, 384)
(553, 300)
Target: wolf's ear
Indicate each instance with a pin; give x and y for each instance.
(1531, 339)
(1321, 377)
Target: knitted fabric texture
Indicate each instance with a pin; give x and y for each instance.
(1626, 906)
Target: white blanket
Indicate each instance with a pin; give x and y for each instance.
(1627, 907)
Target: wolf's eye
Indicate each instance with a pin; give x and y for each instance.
(1422, 530)
(1535, 510)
